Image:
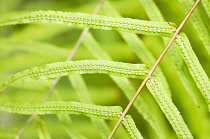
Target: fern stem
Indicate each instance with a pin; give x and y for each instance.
(149, 75)
(155, 15)
(127, 88)
(143, 53)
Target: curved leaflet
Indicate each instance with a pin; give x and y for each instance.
(60, 107)
(168, 108)
(79, 67)
(92, 21)
(130, 126)
(198, 23)
(196, 70)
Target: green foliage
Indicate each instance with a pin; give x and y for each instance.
(82, 20)
(58, 107)
(36, 37)
(41, 128)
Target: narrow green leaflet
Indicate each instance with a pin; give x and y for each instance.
(200, 77)
(41, 128)
(82, 20)
(168, 108)
(79, 67)
(60, 107)
(198, 23)
(130, 126)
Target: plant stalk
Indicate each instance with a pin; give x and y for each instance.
(151, 71)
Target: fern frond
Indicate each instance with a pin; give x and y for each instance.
(168, 108)
(200, 77)
(60, 107)
(128, 89)
(79, 67)
(130, 126)
(174, 54)
(92, 21)
(198, 24)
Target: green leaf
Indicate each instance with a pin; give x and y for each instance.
(168, 108)
(79, 67)
(59, 107)
(200, 77)
(156, 15)
(198, 23)
(131, 127)
(83, 20)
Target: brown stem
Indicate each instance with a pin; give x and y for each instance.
(150, 72)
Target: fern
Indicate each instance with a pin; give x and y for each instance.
(42, 54)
